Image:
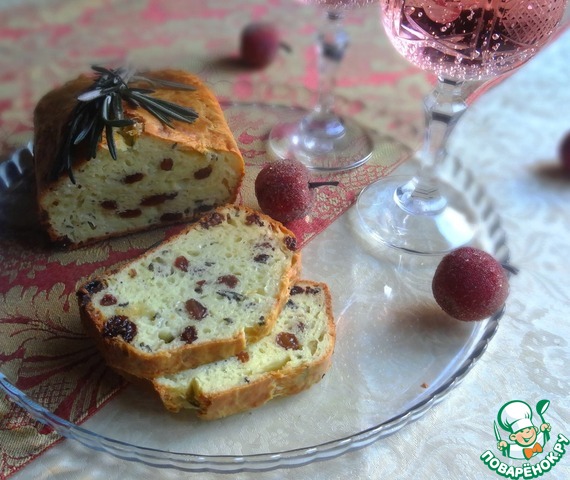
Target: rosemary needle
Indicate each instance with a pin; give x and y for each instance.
(100, 109)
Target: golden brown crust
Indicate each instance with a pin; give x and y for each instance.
(50, 117)
(239, 399)
(122, 355)
(259, 392)
(283, 382)
(209, 132)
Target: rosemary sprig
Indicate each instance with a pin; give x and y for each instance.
(100, 109)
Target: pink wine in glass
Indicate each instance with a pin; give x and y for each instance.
(473, 39)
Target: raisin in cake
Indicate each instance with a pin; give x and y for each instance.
(162, 175)
(199, 297)
(293, 357)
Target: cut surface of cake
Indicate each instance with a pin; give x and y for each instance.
(161, 175)
(293, 357)
(198, 297)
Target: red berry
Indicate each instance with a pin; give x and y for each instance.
(282, 190)
(441, 11)
(259, 44)
(469, 284)
(564, 152)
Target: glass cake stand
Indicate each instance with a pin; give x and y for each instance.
(396, 354)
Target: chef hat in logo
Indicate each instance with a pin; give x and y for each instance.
(514, 416)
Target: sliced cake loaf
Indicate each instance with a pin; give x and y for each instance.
(293, 357)
(161, 175)
(200, 296)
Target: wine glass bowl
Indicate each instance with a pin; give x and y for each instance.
(469, 40)
(458, 41)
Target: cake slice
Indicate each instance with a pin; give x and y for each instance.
(200, 296)
(161, 174)
(293, 357)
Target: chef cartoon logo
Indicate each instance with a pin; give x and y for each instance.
(528, 440)
(520, 435)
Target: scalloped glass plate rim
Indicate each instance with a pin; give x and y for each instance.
(253, 462)
(295, 456)
(268, 460)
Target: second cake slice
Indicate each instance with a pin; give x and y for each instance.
(296, 355)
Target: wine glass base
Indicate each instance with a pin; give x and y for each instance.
(382, 220)
(322, 153)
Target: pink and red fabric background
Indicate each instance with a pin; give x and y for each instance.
(44, 350)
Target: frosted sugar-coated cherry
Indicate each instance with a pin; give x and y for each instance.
(282, 190)
(442, 11)
(259, 44)
(469, 284)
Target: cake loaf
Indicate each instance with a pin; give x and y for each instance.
(162, 175)
(198, 297)
(293, 357)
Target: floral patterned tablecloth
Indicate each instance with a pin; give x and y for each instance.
(43, 43)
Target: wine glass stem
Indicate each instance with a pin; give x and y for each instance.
(322, 126)
(332, 42)
(443, 108)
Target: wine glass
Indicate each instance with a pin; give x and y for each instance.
(459, 41)
(324, 140)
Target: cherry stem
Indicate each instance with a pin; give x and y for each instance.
(322, 184)
(510, 268)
